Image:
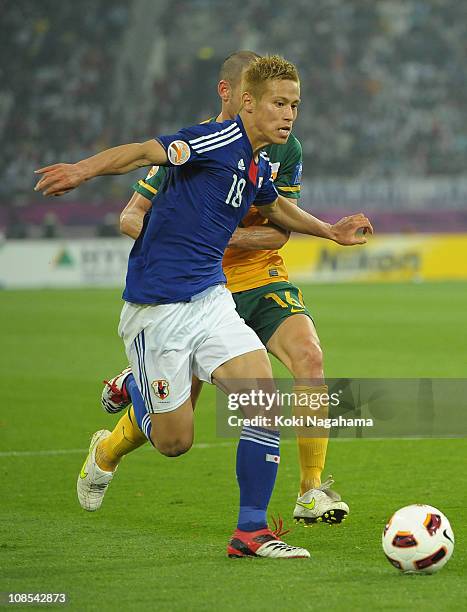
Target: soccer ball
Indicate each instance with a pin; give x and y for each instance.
(418, 539)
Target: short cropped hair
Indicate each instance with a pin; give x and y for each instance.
(267, 68)
(233, 66)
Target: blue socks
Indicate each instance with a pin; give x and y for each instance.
(257, 463)
(142, 415)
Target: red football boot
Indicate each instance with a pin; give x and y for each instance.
(114, 394)
(263, 543)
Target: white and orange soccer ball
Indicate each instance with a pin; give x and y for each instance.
(418, 539)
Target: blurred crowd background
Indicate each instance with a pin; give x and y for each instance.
(383, 120)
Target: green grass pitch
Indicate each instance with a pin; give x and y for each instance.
(158, 543)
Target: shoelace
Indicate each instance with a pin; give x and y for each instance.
(277, 531)
(327, 484)
(325, 487)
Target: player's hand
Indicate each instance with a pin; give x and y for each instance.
(59, 179)
(351, 230)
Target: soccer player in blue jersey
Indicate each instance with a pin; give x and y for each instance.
(178, 319)
(269, 304)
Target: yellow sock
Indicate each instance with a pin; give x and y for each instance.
(125, 438)
(311, 448)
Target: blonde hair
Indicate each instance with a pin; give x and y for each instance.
(267, 68)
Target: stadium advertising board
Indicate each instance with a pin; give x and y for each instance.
(63, 263)
(393, 257)
(102, 262)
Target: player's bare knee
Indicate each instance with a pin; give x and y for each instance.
(175, 447)
(308, 357)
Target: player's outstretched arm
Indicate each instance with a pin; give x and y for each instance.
(61, 178)
(266, 237)
(132, 216)
(290, 217)
(259, 238)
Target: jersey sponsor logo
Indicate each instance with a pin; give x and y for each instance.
(275, 170)
(161, 388)
(297, 177)
(152, 172)
(178, 152)
(241, 164)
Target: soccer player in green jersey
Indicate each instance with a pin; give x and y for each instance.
(265, 299)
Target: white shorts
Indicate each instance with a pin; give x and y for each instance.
(167, 343)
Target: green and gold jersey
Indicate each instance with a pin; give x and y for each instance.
(149, 186)
(246, 269)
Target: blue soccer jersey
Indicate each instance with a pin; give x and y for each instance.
(212, 181)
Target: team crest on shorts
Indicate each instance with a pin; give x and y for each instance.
(178, 152)
(161, 388)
